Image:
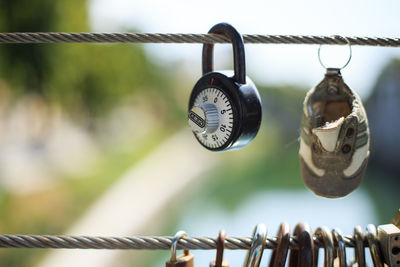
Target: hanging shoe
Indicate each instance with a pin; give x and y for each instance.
(334, 141)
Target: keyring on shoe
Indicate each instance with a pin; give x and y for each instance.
(348, 60)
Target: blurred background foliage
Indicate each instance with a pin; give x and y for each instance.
(84, 83)
(120, 105)
(84, 78)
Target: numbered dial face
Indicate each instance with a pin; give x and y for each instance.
(211, 118)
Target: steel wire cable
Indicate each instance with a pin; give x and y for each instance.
(86, 37)
(141, 242)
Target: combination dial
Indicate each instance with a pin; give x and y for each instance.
(211, 118)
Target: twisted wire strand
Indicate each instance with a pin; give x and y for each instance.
(141, 242)
(86, 37)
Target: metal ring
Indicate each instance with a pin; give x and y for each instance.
(279, 255)
(340, 250)
(220, 248)
(256, 250)
(324, 233)
(303, 256)
(359, 246)
(373, 245)
(174, 244)
(348, 60)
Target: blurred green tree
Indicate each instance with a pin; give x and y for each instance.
(88, 80)
(84, 78)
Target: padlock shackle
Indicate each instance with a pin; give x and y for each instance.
(174, 244)
(238, 51)
(256, 250)
(220, 248)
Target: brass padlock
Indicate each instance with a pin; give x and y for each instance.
(219, 261)
(389, 241)
(279, 255)
(184, 260)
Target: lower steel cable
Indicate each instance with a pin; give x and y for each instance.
(140, 242)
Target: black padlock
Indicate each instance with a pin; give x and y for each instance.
(225, 107)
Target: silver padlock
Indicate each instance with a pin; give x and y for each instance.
(374, 246)
(256, 250)
(389, 240)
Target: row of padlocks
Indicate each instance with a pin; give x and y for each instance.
(383, 243)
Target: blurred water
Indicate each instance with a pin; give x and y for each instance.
(205, 218)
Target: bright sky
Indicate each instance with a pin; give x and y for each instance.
(267, 64)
